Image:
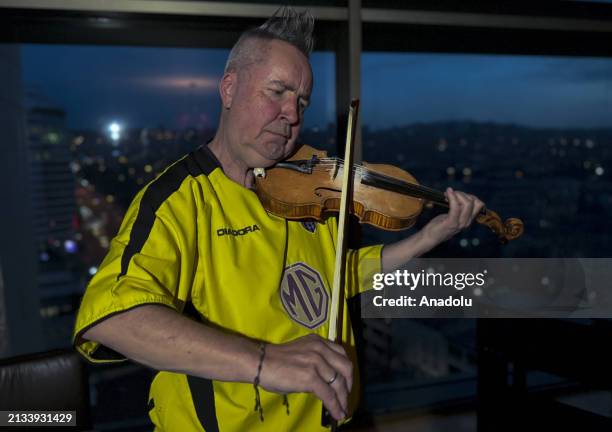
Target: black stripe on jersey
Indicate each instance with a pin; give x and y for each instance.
(203, 397)
(201, 161)
(206, 159)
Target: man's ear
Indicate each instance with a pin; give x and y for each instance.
(227, 88)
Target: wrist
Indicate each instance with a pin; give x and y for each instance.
(247, 369)
(428, 240)
(261, 351)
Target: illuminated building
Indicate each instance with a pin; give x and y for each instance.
(19, 297)
(54, 208)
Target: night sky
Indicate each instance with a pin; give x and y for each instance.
(176, 88)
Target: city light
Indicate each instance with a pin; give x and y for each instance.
(75, 167)
(70, 246)
(115, 131)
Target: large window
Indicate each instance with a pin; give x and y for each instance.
(531, 136)
(111, 98)
(101, 122)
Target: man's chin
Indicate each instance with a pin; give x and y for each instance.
(265, 160)
(272, 155)
(267, 164)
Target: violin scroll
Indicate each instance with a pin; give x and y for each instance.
(507, 230)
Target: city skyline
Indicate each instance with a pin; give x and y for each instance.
(177, 87)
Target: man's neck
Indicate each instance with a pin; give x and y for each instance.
(231, 165)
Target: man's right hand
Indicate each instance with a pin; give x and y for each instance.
(309, 364)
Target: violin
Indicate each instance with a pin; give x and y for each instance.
(308, 186)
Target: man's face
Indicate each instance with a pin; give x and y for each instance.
(267, 105)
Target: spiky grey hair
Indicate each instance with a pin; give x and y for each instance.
(286, 24)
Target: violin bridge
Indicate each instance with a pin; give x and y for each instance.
(259, 172)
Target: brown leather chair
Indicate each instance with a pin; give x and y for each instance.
(48, 381)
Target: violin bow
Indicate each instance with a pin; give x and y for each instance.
(337, 303)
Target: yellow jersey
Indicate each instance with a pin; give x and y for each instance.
(194, 239)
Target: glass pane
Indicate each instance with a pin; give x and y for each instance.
(531, 136)
(108, 120)
(100, 123)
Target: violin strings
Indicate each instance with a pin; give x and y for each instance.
(425, 192)
(363, 170)
(339, 163)
(325, 164)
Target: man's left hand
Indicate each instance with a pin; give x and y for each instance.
(463, 208)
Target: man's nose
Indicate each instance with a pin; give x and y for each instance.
(290, 111)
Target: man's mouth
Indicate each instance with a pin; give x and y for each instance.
(283, 134)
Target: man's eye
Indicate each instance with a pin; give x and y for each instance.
(278, 92)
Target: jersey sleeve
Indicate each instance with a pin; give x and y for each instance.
(150, 261)
(361, 265)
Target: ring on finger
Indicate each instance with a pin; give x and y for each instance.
(333, 378)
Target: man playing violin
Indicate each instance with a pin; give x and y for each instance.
(197, 239)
